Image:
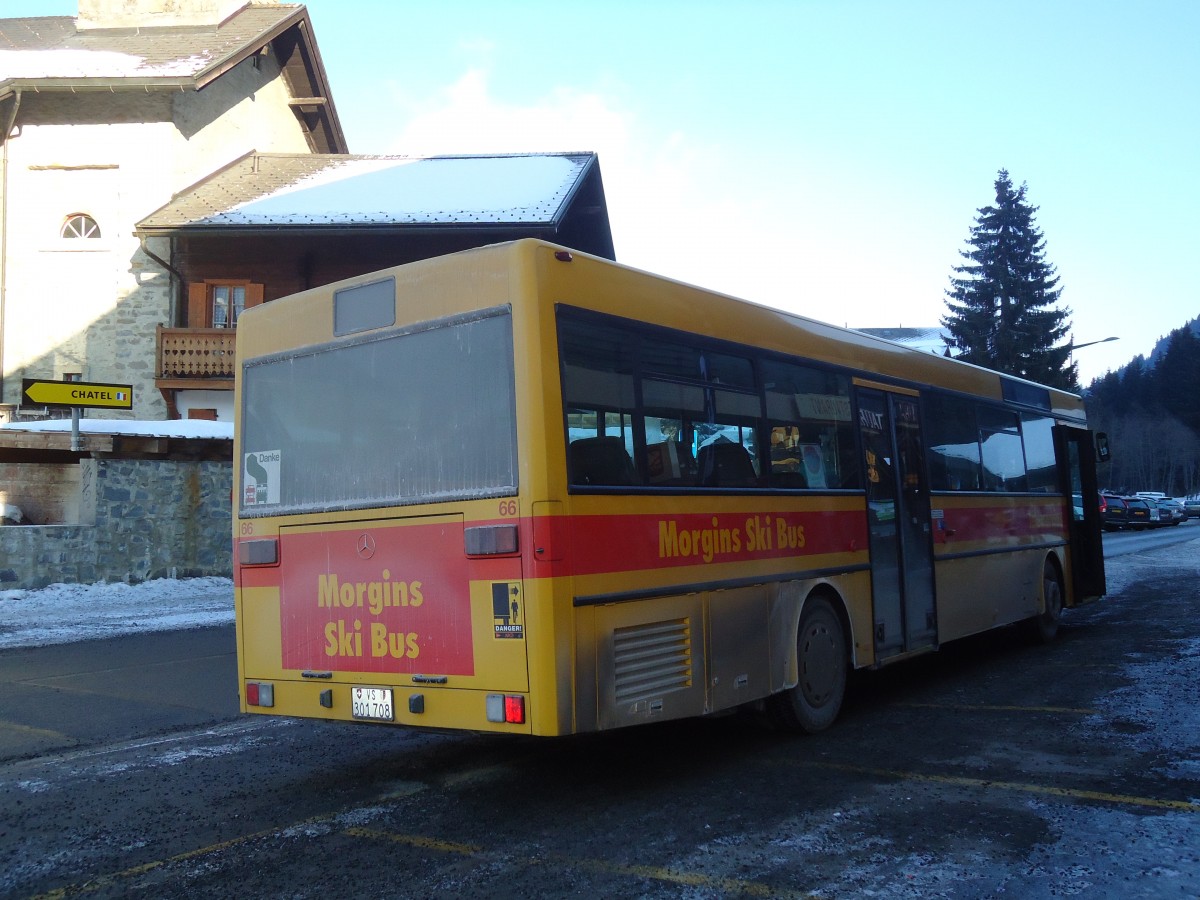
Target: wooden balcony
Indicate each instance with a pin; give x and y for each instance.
(194, 359)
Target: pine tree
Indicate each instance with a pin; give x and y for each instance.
(1137, 385)
(1178, 376)
(1003, 299)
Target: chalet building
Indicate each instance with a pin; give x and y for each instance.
(105, 117)
(166, 163)
(269, 225)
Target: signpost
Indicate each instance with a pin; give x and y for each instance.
(76, 395)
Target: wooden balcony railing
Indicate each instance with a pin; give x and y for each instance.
(195, 353)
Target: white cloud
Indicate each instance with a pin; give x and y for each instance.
(466, 118)
(730, 216)
(664, 212)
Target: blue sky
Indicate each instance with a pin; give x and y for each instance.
(823, 157)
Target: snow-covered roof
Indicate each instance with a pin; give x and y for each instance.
(281, 190)
(146, 52)
(168, 428)
(52, 49)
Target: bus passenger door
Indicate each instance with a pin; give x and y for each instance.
(1077, 470)
(899, 520)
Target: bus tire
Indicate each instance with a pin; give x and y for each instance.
(821, 663)
(1043, 628)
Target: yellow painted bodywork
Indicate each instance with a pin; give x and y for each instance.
(558, 666)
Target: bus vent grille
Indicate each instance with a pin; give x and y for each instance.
(653, 659)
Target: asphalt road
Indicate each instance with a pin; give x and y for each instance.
(989, 769)
(67, 696)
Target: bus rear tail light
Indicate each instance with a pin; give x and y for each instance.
(260, 552)
(507, 708)
(259, 693)
(490, 540)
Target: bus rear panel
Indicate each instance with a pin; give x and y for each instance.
(379, 554)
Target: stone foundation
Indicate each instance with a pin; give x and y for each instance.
(146, 518)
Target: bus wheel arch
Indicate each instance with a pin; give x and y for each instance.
(822, 667)
(1042, 628)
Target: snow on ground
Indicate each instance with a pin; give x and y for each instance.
(180, 428)
(62, 613)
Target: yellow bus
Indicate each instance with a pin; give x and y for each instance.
(520, 489)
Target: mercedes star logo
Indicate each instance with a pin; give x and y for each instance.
(366, 546)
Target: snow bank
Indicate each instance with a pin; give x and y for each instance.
(62, 613)
(177, 428)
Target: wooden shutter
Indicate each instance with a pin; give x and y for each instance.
(199, 312)
(254, 295)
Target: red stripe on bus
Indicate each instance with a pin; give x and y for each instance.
(617, 543)
(1002, 522)
(606, 544)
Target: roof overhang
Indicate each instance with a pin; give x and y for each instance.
(290, 35)
(500, 197)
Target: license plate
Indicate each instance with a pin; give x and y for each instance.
(372, 703)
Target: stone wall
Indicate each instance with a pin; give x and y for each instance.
(153, 519)
(46, 493)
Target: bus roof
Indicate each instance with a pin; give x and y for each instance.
(686, 307)
(596, 283)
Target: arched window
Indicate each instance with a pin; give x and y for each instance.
(80, 225)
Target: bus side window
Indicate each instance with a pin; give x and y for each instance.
(1003, 455)
(1037, 434)
(787, 468)
(670, 411)
(598, 400)
(669, 458)
(601, 461)
(724, 464)
(952, 437)
(812, 433)
(737, 418)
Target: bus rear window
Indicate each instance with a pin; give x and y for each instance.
(400, 417)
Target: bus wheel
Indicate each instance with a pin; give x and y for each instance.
(821, 660)
(1043, 628)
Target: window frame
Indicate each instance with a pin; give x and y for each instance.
(722, 390)
(982, 416)
(314, 470)
(200, 304)
(95, 233)
(1023, 434)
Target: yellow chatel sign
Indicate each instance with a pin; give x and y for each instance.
(77, 394)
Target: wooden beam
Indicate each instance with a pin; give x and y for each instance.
(12, 439)
(139, 444)
(194, 384)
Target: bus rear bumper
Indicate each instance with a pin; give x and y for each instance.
(413, 706)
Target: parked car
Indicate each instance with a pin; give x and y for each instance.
(1113, 513)
(1192, 508)
(1140, 514)
(1170, 512)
